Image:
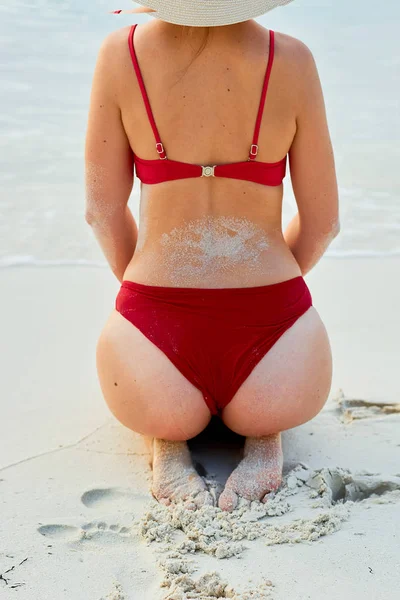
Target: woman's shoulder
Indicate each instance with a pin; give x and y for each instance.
(296, 61)
(115, 39)
(293, 49)
(113, 52)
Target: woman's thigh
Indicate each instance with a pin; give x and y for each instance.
(142, 387)
(289, 386)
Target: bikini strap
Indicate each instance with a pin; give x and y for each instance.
(254, 146)
(159, 145)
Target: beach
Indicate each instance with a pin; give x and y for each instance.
(78, 520)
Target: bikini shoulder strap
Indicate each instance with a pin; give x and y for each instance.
(159, 145)
(254, 146)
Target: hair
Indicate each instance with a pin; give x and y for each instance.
(188, 31)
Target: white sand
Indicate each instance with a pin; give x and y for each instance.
(77, 519)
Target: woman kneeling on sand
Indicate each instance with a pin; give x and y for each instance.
(213, 316)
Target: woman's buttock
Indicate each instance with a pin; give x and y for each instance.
(212, 251)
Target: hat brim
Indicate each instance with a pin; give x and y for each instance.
(209, 13)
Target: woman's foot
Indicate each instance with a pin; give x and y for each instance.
(259, 473)
(174, 476)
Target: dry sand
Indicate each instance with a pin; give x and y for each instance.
(78, 521)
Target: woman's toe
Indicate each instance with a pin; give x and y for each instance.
(266, 498)
(273, 488)
(204, 498)
(165, 501)
(228, 500)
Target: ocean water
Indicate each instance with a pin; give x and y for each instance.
(48, 52)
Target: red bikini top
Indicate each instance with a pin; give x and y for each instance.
(164, 169)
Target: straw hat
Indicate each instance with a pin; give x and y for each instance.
(206, 13)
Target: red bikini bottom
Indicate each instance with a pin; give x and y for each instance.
(214, 337)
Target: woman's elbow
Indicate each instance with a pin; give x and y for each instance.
(330, 229)
(103, 214)
(335, 228)
(97, 216)
(90, 217)
(329, 233)
(326, 228)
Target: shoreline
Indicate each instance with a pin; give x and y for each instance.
(30, 262)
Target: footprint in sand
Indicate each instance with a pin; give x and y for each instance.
(59, 532)
(97, 532)
(106, 500)
(353, 409)
(340, 485)
(116, 499)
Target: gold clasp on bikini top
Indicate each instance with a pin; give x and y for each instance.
(208, 171)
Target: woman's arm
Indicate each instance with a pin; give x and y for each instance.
(109, 164)
(312, 170)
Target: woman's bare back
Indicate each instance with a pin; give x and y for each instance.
(210, 232)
